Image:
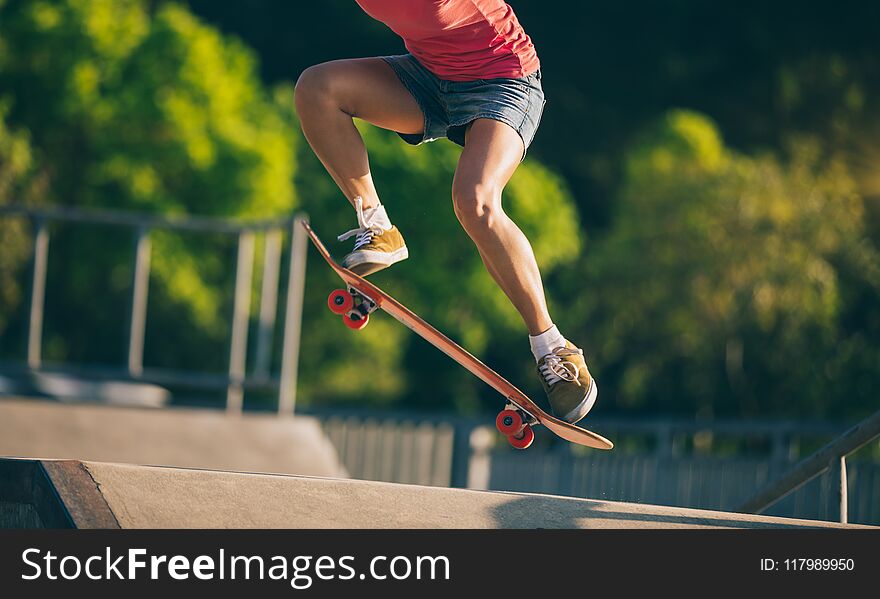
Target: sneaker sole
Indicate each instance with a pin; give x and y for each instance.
(366, 261)
(583, 408)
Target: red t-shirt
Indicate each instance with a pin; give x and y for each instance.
(460, 40)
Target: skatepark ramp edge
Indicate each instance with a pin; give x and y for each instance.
(38, 493)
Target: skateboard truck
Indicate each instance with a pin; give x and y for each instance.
(516, 424)
(354, 307)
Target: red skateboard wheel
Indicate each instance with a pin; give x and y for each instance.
(509, 422)
(340, 301)
(526, 438)
(356, 323)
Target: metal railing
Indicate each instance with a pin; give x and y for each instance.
(236, 379)
(831, 456)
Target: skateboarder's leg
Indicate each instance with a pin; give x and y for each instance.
(491, 154)
(492, 151)
(329, 95)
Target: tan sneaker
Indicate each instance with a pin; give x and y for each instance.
(375, 247)
(567, 382)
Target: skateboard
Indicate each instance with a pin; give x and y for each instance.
(361, 298)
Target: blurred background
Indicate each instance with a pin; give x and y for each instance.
(703, 198)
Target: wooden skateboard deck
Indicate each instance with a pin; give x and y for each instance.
(378, 299)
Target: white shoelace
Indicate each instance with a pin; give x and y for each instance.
(365, 231)
(556, 369)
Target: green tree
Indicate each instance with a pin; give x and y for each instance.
(19, 182)
(722, 284)
(138, 105)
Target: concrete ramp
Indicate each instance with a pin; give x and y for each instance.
(47, 493)
(188, 438)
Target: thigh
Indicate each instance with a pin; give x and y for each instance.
(368, 89)
(492, 151)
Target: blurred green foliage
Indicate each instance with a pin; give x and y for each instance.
(17, 181)
(732, 274)
(140, 107)
(720, 286)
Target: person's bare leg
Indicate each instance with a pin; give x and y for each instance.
(329, 95)
(491, 154)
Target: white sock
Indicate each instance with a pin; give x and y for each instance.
(546, 342)
(377, 216)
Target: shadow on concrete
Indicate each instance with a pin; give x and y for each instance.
(570, 513)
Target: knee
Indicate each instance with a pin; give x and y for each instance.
(314, 87)
(477, 207)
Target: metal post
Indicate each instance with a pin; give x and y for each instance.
(240, 313)
(480, 463)
(38, 295)
(664, 436)
(293, 318)
(268, 302)
(842, 491)
(461, 454)
(139, 292)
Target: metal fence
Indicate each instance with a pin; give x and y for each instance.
(688, 481)
(402, 447)
(238, 377)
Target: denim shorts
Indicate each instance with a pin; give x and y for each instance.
(450, 106)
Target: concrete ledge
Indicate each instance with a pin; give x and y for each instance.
(189, 438)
